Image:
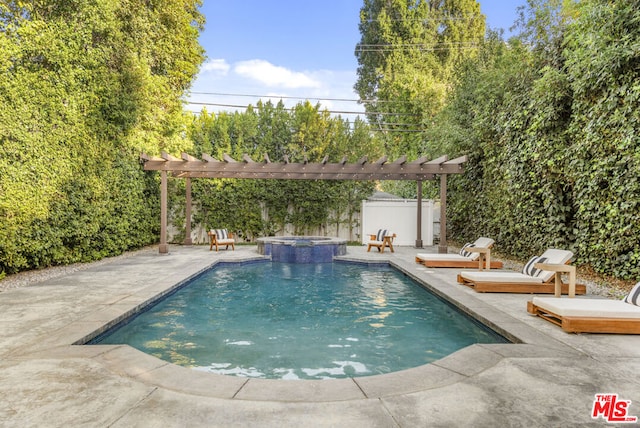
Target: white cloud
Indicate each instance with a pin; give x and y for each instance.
(246, 82)
(273, 75)
(216, 66)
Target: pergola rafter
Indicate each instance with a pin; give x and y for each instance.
(188, 167)
(208, 167)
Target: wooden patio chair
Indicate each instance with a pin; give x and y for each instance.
(381, 240)
(591, 315)
(477, 254)
(530, 280)
(220, 237)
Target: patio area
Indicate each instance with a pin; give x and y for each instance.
(548, 378)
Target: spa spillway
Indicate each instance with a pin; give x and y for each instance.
(302, 249)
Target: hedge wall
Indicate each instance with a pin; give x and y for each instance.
(86, 86)
(551, 121)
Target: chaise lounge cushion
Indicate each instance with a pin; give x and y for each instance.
(501, 276)
(446, 257)
(481, 242)
(552, 256)
(588, 308)
(634, 295)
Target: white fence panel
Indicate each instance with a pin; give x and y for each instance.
(399, 217)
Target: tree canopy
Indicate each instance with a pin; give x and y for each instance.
(407, 57)
(256, 208)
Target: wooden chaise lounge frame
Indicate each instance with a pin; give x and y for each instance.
(479, 263)
(547, 287)
(459, 264)
(482, 247)
(587, 324)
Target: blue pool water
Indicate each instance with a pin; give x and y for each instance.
(301, 321)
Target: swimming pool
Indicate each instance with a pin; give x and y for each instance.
(301, 321)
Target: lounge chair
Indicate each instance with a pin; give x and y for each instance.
(530, 280)
(381, 240)
(220, 237)
(477, 254)
(590, 315)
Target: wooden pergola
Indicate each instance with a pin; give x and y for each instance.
(189, 167)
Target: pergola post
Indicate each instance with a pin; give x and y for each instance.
(187, 212)
(163, 248)
(419, 215)
(442, 246)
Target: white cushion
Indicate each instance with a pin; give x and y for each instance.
(634, 295)
(225, 241)
(376, 242)
(556, 257)
(483, 242)
(588, 307)
(500, 276)
(447, 257)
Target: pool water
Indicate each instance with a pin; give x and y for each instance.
(301, 321)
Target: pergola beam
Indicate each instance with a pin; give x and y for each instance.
(421, 169)
(189, 167)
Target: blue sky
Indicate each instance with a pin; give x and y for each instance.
(293, 49)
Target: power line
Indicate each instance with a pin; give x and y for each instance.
(223, 94)
(377, 127)
(291, 109)
(438, 19)
(276, 96)
(416, 46)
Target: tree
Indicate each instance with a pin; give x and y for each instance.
(255, 208)
(407, 58)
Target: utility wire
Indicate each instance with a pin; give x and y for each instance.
(436, 19)
(275, 96)
(416, 44)
(377, 127)
(223, 94)
(290, 109)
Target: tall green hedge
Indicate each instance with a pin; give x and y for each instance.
(551, 122)
(85, 86)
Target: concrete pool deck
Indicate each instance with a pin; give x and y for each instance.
(549, 378)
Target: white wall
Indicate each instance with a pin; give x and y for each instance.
(400, 217)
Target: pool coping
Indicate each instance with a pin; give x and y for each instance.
(467, 362)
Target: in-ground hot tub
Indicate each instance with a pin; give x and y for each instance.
(302, 249)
